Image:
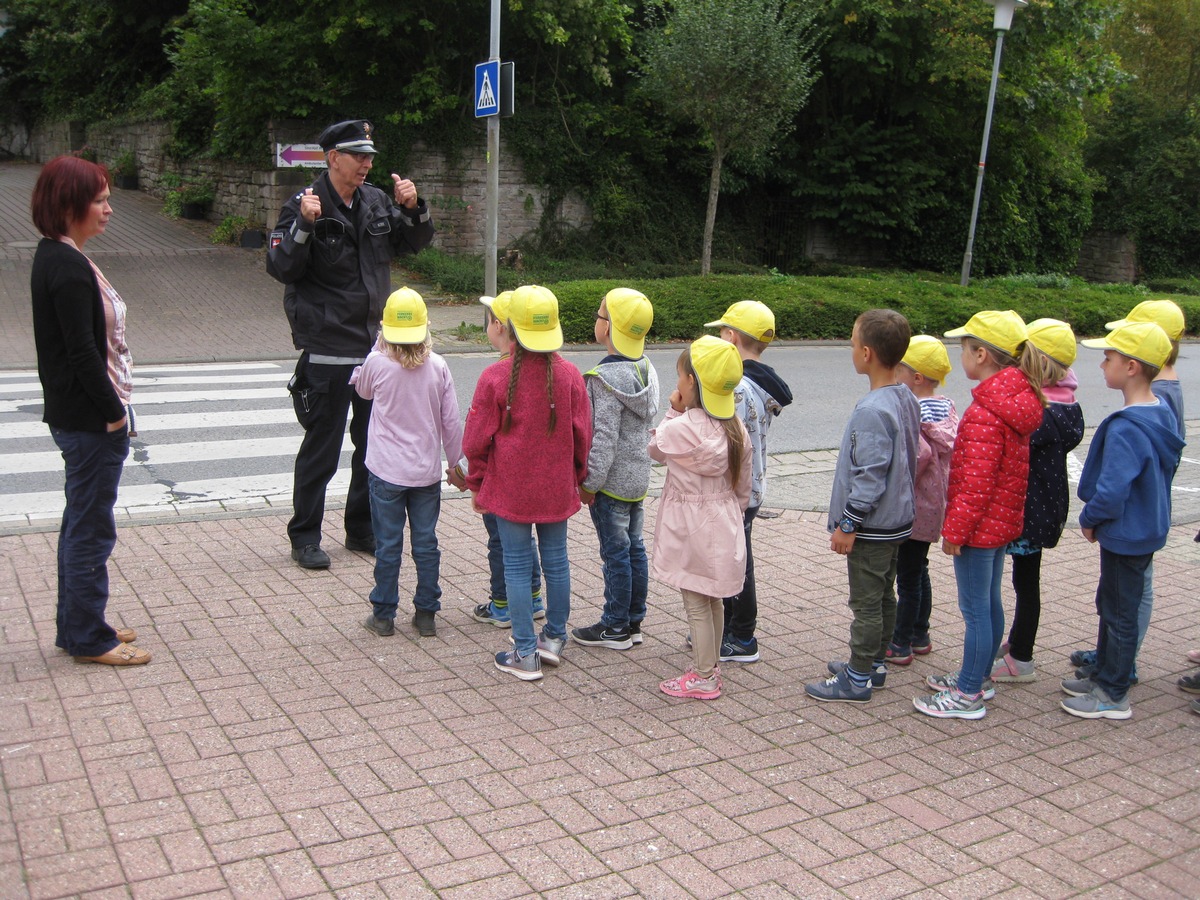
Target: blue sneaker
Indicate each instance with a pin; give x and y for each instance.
(734, 649)
(539, 608)
(487, 612)
(878, 673)
(1081, 658)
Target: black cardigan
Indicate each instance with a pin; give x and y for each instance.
(71, 340)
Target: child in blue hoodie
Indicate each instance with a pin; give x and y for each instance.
(1125, 487)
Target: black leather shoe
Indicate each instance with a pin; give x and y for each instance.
(311, 556)
(381, 627)
(361, 544)
(425, 623)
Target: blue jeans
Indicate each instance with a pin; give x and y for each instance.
(979, 573)
(623, 556)
(1119, 596)
(496, 563)
(87, 537)
(518, 567)
(391, 505)
(914, 593)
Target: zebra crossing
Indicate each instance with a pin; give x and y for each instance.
(210, 437)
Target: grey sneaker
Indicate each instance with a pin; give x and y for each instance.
(1007, 669)
(1077, 687)
(1195, 706)
(878, 673)
(381, 627)
(950, 683)
(951, 704)
(1086, 672)
(528, 668)
(548, 648)
(838, 689)
(1097, 705)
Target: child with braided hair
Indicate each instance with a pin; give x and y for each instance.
(526, 440)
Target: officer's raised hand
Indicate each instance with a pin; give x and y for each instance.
(310, 206)
(405, 192)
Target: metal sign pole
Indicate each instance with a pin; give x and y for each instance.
(493, 172)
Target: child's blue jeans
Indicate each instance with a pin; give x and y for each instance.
(1118, 598)
(518, 567)
(623, 555)
(496, 562)
(391, 506)
(979, 572)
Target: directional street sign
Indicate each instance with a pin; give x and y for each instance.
(487, 89)
(310, 156)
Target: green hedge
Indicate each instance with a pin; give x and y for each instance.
(825, 308)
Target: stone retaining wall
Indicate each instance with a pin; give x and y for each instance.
(456, 193)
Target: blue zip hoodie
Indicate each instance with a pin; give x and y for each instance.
(1126, 481)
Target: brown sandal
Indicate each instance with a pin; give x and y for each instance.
(120, 655)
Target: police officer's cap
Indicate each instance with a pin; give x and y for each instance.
(353, 136)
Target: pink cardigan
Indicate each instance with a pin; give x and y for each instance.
(699, 539)
(528, 475)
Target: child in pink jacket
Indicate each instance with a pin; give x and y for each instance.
(924, 369)
(699, 541)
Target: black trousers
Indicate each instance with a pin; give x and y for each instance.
(331, 399)
(1026, 582)
(741, 610)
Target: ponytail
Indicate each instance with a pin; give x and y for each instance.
(1030, 364)
(737, 447)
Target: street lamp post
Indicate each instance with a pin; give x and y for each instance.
(1002, 23)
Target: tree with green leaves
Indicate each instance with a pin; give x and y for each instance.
(738, 71)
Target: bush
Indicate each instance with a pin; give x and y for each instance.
(230, 230)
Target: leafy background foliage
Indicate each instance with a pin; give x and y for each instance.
(1097, 121)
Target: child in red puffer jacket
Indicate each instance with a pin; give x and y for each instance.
(985, 502)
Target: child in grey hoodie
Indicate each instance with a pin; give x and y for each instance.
(623, 390)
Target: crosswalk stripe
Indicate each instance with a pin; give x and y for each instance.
(198, 421)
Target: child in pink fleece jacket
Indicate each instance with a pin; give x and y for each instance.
(699, 541)
(526, 440)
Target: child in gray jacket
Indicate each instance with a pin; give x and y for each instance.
(623, 390)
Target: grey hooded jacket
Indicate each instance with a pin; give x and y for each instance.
(624, 396)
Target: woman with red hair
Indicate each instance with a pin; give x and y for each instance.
(86, 374)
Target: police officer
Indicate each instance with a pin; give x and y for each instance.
(332, 248)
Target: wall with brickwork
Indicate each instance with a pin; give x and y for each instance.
(455, 192)
(1107, 258)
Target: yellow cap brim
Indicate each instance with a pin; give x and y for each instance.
(717, 405)
(540, 341)
(412, 334)
(633, 348)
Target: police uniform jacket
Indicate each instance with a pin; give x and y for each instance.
(336, 271)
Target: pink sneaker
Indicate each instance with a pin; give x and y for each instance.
(689, 684)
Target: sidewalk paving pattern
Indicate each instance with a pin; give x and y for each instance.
(275, 748)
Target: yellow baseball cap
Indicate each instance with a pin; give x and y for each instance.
(1164, 313)
(928, 356)
(1144, 341)
(533, 313)
(1003, 329)
(1054, 338)
(631, 315)
(750, 317)
(719, 369)
(498, 304)
(405, 318)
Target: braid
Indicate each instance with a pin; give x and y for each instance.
(518, 354)
(550, 391)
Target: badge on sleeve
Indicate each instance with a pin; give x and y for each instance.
(276, 239)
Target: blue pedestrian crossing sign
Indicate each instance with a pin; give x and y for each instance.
(487, 89)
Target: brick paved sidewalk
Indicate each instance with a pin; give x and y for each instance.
(275, 748)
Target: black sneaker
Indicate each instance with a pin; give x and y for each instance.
(364, 544)
(599, 636)
(381, 627)
(635, 632)
(423, 620)
(311, 556)
(734, 649)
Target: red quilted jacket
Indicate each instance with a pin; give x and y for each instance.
(989, 470)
